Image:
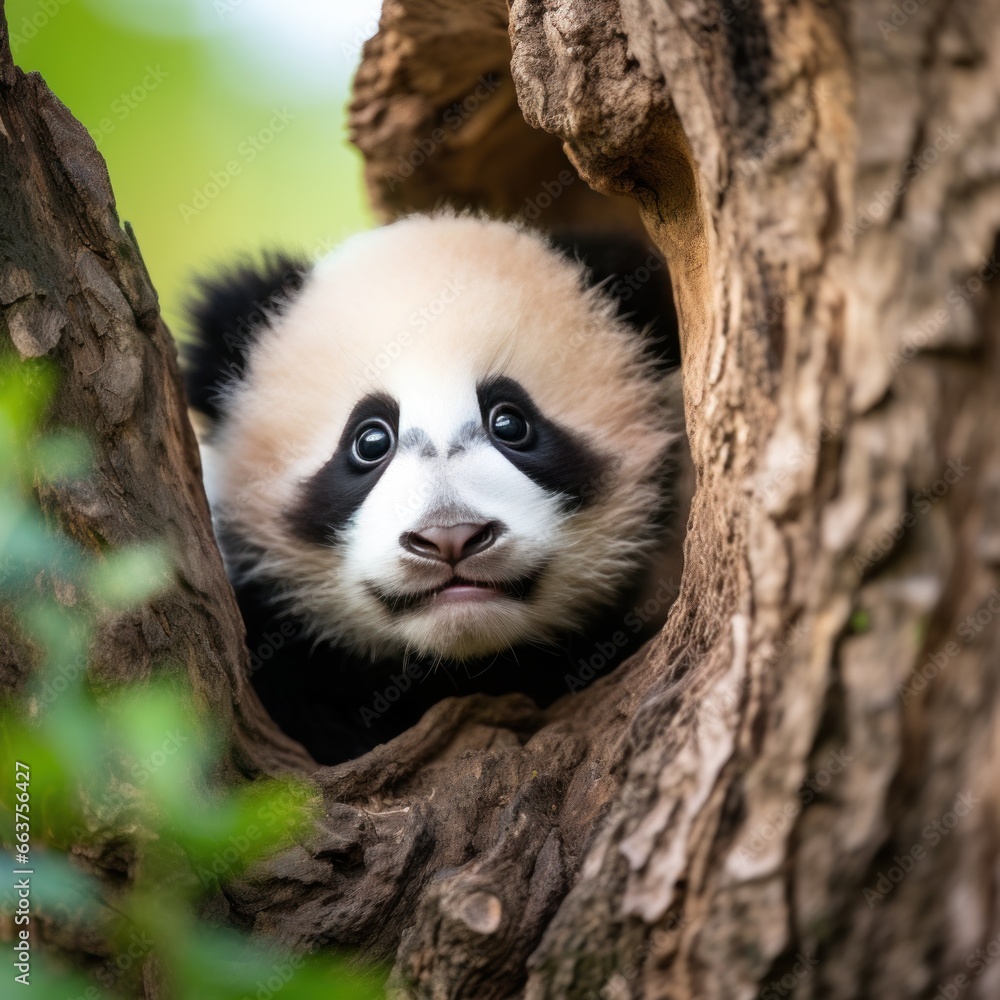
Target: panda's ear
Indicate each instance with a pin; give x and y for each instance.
(228, 313)
(633, 273)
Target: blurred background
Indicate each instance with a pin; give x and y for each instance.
(223, 122)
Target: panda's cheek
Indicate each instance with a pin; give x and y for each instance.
(370, 542)
(369, 547)
(534, 518)
(489, 483)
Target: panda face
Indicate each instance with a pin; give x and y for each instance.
(444, 512)
(446, 478)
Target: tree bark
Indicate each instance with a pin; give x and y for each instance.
(793, 790)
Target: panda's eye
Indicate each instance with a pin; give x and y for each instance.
(372, 442)
(507, 424)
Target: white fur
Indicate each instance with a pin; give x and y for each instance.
(497, 300)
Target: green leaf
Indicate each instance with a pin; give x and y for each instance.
(131, 576)
(64, 455)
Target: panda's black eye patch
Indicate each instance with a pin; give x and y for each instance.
(509, 425)
(373, 440)
(554, 457)
(327, 500)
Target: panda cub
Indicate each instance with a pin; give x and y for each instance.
(439, 462)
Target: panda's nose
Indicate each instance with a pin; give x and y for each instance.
(451, 543)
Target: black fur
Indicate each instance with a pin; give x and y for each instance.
(555, 458)
(634, 274)
(329, 498)
(339, 706)
(228, 315)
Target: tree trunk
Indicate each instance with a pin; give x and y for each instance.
(794, 789)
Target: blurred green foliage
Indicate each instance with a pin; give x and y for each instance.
(127, 772)
(205, 169)
(174, 112)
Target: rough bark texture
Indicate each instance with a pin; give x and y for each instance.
(770, 796)
(73, 288)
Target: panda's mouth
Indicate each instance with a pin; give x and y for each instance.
(459, 590)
